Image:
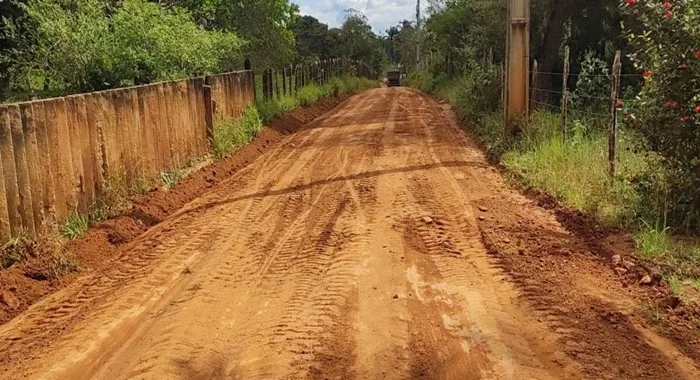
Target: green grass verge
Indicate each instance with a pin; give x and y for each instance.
(74, 226)
(231, 134)
(310, 94)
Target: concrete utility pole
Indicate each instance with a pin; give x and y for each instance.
(517, 63)
(418, 35)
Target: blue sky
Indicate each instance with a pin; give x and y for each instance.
(381, 13)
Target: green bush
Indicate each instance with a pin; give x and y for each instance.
(592, 91)
(338, 86)
(309, 94)
(88, 45)
(231, 134)
(479, 93)
(422, 80)
(664, 37)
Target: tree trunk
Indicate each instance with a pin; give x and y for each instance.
(548, 55)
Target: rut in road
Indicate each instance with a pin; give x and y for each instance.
(351, 250)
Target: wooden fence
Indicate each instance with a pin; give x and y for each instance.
(57, 156)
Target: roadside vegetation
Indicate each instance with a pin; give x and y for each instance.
(655, 193)
(53, 262)
(231, 134)
(55, 47)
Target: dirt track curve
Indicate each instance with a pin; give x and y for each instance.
(371, 245)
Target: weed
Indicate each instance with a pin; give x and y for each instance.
(230, 134)
(74, 226)
(18, 249)
(173, 177)
(142, 185)
(99, 212)
(309, 95)
(61, 265)
(654, 314)
(653, 242)
(675, 285)
(115, 195)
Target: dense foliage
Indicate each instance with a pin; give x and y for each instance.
(87, 45)
(665, 38)
(57, 47)
(265, 24)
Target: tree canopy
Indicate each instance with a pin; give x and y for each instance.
(52, 47)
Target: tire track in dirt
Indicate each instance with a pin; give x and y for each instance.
(622, 351)
(351, 250)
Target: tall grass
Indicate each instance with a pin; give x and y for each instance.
(231, 134)
(310, 94)
(575, 170)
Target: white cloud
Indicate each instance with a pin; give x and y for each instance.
(380, 13)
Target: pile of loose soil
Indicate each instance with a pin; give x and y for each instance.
(26, 282)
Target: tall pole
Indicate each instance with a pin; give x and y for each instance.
(418, 35)
(517, 63)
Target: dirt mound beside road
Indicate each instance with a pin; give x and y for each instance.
(26, 282)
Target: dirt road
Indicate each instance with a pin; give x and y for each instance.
(372, 245)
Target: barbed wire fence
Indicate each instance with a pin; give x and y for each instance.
(605, 113)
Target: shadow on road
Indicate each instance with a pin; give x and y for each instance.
(352, 177)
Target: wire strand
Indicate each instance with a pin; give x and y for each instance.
(602, 117)
(590, 75)
(576, 95)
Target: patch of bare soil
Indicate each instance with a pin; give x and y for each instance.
(27, 281)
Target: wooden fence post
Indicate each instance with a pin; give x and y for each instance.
(247, 65)
(277, 83)
(208, 109)
(271, 83)
(284, 81)
(533, 85)
(264, 84)
(615, 88)
(565, 92)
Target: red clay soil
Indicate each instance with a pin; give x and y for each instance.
(25, 283)
(677, 320)
(534, 254)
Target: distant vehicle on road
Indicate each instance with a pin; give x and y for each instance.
(393, 78)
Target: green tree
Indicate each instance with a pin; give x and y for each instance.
(357, 41)
(313, 40)
(265, 24)
(87, 45)
(664, 38)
